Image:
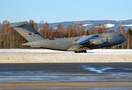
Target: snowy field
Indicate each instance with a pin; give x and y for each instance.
(53, 56)
(28, 51)
(42, 51)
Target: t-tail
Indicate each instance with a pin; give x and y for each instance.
(28, 32)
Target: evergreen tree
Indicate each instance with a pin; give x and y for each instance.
(129, 33)
(31, 23)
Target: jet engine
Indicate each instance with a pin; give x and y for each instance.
(99, 41)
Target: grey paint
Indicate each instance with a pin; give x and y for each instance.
(24, 28)
(72, 44)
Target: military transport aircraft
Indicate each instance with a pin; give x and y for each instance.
(78, 44)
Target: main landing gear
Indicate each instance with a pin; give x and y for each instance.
(84, 51)
(120, 46)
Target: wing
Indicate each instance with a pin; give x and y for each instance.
(85, 39)
(79, 44)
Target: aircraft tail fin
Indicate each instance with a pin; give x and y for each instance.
(28, 32)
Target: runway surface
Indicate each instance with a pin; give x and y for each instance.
(65, 72)
(66, 76)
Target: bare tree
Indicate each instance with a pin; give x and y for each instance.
(121, 29)
(129, 33)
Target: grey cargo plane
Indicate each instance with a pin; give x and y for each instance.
(78, 44)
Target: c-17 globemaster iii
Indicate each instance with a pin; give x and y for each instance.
(78, 44)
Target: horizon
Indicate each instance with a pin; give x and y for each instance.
(93, 20)
(69, 21)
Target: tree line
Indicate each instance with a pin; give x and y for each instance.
(9, 38)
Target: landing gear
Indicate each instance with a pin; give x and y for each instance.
(120, 46)
(84, 51)
(76, 51)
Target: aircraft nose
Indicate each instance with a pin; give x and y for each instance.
(123, 38)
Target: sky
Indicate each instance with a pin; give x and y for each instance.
(52, 11)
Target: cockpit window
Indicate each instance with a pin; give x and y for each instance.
(96, 36)
(120, 35)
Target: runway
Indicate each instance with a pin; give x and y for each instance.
(81, 73)
(61, 70)
(65, 72)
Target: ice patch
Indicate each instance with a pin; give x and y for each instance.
(96, 69)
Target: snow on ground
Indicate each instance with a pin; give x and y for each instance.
(127, 25)
(87, 24)
(26, 51)
(109, 25)
(39, 51)
(53, 56)
(106, 25)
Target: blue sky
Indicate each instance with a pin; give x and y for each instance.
(64, 10)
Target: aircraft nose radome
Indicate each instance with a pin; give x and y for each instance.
(124, 38)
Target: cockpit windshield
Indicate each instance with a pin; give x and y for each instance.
(95, 36)
(120, 35)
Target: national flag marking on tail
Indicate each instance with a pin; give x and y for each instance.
(32, 33)
(24, 34)
(29, 34)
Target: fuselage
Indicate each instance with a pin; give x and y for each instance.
(54, 43)
(100, 40)
(77, 44)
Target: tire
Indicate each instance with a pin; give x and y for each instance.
(76, 51)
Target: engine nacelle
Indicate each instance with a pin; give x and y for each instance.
(99, 41)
